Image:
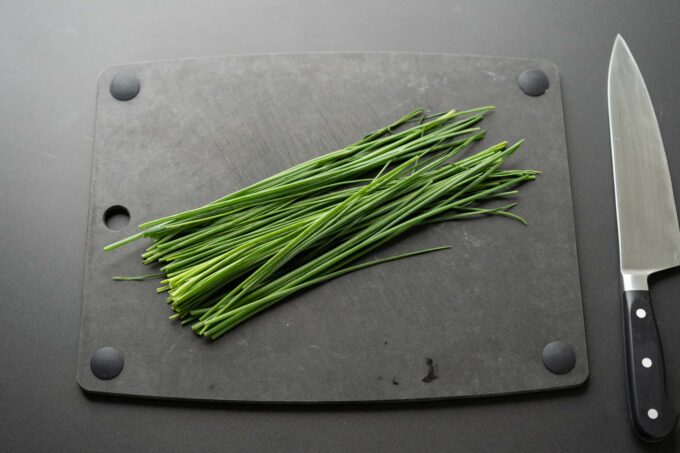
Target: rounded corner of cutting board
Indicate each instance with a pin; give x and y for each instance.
(84, 383)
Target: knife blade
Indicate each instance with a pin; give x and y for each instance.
(649, 237)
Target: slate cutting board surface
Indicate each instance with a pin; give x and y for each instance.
(477, 316)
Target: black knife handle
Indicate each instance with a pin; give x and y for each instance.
(653, 415)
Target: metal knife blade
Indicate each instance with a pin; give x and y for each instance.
(649, 237)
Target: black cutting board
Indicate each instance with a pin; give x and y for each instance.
(477, 315)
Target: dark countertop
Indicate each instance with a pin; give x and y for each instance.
(51, 54)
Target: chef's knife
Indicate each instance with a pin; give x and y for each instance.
(649, 237)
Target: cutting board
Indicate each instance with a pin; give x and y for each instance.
(470, 321)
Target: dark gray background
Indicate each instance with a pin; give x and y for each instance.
(51, 54)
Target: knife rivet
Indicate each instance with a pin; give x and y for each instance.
(124, 86)
(107, 363)
(640, 313)
(559, 357)
(653, 414)
(647, 362)
(533, 82)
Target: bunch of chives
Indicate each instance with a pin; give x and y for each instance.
(224, 262)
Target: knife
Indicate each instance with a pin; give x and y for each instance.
(649, 237)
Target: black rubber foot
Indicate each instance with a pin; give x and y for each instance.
(559, 357)
(124, 86)
(533, 82)
(107, 362)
